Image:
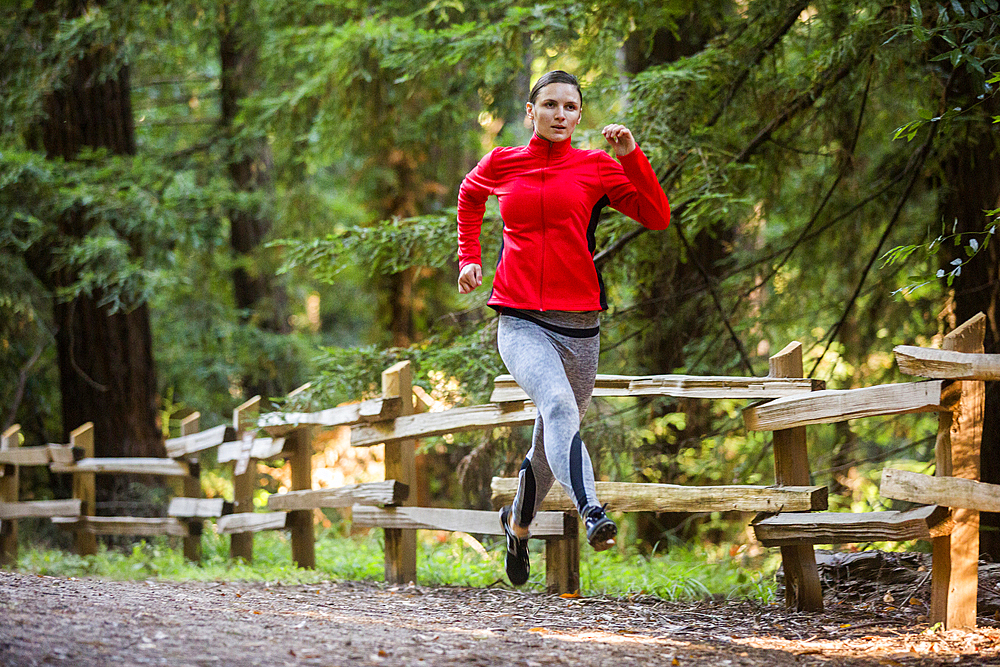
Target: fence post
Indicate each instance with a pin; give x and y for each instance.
(791, 468)
(400, 465)
(85, 489)
(301, 521)
(191, 488)
(245, 422)
(8, 494)
(955, 570)
(562, 558)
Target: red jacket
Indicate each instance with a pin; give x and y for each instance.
(551, 196)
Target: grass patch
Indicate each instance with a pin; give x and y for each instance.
(686, 572)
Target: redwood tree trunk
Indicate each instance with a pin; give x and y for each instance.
(106, 369)
(256, 293)
(106, 377)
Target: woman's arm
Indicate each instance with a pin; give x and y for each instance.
(620, 137)
(632, 186)
(469, 278)
(472, 195)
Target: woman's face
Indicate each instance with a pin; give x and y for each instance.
(556, 111)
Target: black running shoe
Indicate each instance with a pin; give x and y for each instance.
(601, 530)
(516, 559)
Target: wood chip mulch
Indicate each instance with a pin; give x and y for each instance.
(87, 622)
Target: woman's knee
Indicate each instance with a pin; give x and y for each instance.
(560, 409)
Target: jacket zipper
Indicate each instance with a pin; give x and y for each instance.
(541, 206)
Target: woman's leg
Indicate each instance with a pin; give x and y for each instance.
(558, 373)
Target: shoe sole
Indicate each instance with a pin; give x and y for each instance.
(604, 536)
(510, 556)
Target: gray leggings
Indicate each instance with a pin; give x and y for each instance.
(557, 371)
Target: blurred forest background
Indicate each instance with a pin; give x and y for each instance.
(206, 200)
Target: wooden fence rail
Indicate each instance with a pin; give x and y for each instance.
(791, 513)
(792, 404)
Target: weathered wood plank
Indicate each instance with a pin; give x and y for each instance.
(197, 442)
(788, 528)
(25, 456)
(197, 508)
(791, 468)
(947, 364)
(128, 464)
(837, 405)
(953, 492)
(250, 522)
(81, 441)
(506, 390)
(691, 386)
(380, 409)
(389, 492)
(401, 464)
(680, 386)
(40, 509)
(955, 577)
(10, 441)
(190, 486)
(60, 455)
(546, 524)
(628, 497)
(431, 424)
(262, 449)
(280, 423)
(125, 525)
(562, 558)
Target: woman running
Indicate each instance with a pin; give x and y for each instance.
(548, 290)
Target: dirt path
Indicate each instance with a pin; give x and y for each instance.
(85, 622)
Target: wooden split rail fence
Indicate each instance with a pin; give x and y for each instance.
(186, 512)
(789, 514)
(950, 501)
(79, 513)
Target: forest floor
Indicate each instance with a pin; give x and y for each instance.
(48, 620)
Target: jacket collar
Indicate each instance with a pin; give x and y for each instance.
(550, 149)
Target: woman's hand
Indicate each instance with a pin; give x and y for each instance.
(469, 278)
(620, 137)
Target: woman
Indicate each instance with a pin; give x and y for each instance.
(548, 291)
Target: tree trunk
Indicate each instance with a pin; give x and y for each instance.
(106, 370)
(106, 377)
(262, 302)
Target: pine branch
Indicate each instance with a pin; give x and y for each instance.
(790, 20)
(826, 199)
(802, 101)
(22, 381)
(715, 298)
(914, 167)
